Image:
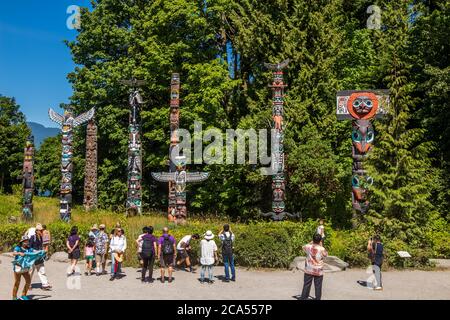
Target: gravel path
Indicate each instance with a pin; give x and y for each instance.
(264, 285)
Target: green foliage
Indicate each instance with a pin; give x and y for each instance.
(47, 165)
(13, 134)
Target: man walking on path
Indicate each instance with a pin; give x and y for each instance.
(227, 238)
(36, 243)
(375, 248)
(208, 256)
(101, 243)
(167, 253)
(148, 252)
(315, 254)
(184, 248)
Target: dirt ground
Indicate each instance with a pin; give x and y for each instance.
(251, 285)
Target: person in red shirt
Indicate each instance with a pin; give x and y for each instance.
(315, 254)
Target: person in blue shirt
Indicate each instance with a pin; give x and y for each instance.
(20, 270)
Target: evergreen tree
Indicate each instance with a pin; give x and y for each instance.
(399, 163)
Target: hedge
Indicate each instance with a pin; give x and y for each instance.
(258, 244)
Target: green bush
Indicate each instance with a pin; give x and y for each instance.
(261, 244)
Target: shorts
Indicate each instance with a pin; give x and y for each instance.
(183, 254)
(166, 261)
(100, 258)
(75, 255)
(89, 258)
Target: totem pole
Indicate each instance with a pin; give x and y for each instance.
(361, 106)
(90, 169)
(67, 122)
(28, 178)
(177, 177)
(278, 179)
(134, 195)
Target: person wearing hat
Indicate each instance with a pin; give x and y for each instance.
(36, 243)
(208, 256)
(101, 243)
(117, 247)
(94, 231)
(24, 258)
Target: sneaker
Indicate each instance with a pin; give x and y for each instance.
(46, 288)
(170, 280)
(24, 298)
(86, 273)
(378, 288)
(15, 299)
(233, 279)
(227, 280)
(112, 278)
(202, 281)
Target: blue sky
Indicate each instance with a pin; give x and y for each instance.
(34, 61)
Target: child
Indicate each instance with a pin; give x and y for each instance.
(89, 250)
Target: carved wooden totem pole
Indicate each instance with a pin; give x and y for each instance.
(90, 170)
(177, 177)
(68, 122)
(361, 106)
(28, 178)
(134, 195)
(278, 180)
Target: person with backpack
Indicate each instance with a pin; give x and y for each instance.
(167, 253)
(36, 243)
(147, 243)
(183, 249)
(24, 259)
(227, 238)
(375, 249)
(208, 256)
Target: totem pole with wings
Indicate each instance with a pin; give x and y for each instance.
(68, 122)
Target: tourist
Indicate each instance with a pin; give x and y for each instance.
(73, 247)
(139, 246)
(321, 230)
(227, 238)
(94, 231)
(24, 259)
(89, 250)
(375, 248)
(117, 247)
(184, 249)
(36, 243)
(118, 226)
(46, 239)
(166, 253)
(101, 243)
(315, 254)
(148, 252)
(208, 256)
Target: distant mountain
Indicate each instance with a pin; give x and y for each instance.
(40, 132)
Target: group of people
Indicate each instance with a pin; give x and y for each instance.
(31, 254)
(314, 262)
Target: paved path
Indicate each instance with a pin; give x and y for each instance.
(264, 285)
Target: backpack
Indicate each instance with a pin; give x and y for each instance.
(227, 245)
(167, 247)
(147, 247)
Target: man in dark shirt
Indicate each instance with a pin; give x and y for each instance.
(375, 248)
(36, 243)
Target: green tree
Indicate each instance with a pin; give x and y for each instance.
(400, 163)
(48, 166)
(13, 134)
